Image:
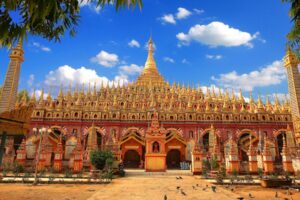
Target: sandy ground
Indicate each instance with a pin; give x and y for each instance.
(140, 187)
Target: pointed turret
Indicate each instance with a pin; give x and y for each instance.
(150, 72)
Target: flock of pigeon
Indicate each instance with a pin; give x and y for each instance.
(231, 188)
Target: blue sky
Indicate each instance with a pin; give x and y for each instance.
(230, 44)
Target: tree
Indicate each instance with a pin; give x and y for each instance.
(101, 159)
(48, 19)
(294, 35)
(0, 91)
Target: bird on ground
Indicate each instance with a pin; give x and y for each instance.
(165, 197)
(250, 195)
(197, 185)
(180, 177)
(204, 189)
(276, 195)
(240, 198)
(232, 189)
(183, 193)
(213, 188)
(178, 187)
(177, 177)
(194, 187)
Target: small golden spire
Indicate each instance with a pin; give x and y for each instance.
(33, 100)
(49, 98)
(241, 98)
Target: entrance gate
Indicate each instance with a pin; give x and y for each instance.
(173, 159)
(131, 159)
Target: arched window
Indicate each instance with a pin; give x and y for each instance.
(155, 147)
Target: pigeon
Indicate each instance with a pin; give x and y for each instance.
(197, 185)
(276, 195)
(207, 186)
(177, 177)
(178, 187)
(183, 193)
(204, 189)
(213, 188)
(240, 198)
(232, 189)
(165, 197)
(180, 177)
(250, 195)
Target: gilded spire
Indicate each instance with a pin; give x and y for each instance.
(33, 99)
(150, 72)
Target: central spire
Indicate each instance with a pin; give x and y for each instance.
(150, 74)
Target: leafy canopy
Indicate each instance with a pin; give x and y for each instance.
(101, 158)
(46, 18)
(294, 35)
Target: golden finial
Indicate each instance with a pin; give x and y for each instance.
(241, 98)
(33, 100)
(60, 94)
(49, 98)
(41, 100)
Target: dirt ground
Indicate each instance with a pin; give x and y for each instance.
(141, 187)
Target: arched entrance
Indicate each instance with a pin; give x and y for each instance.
(279, 140)
(131, 159)
(173, 159)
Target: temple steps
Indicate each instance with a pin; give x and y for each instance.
(141, 172)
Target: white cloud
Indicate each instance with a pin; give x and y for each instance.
(132, 69)
(30, 80)
(91, 5)
(217, 34)
(183, 13)
(134, 43)
(105, 59)
(185, 61)
(269, 75)
(68, 75)
(168, 59)
(168, 18)
(41, 47)
(198, 11)
(213, 57)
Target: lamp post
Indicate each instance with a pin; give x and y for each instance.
(41, 131)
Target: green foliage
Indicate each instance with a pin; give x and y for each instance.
(260, 172)
(101, 159)
(48, 19)
(221, 174)
(17, 169)
(68, 173)
(294, 35)
(214, 163)
(205, 168)
(235, 173)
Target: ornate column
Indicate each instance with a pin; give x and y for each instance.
(252, 155)
(267, 159)
(21, 153)
(78, 157)
(58, 157)
(197, 158)
(286, 158)
(42, 160)
(233, 161)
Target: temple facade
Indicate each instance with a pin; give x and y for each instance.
(155, 125)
